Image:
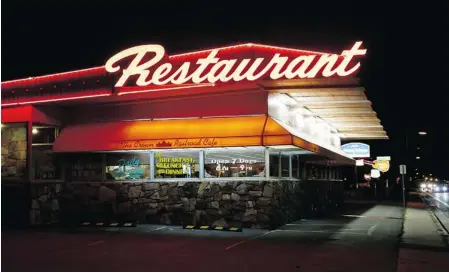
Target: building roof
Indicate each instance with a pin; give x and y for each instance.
(341, 103)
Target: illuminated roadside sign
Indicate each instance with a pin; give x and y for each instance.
(356, 149)
(382, 165)
(149, 65)
(375, 173)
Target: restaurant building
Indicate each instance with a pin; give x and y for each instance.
(246, 135)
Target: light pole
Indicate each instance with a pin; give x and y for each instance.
(404, 176)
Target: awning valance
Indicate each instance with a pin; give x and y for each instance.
(180, 133)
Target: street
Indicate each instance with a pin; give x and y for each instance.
(362, 238)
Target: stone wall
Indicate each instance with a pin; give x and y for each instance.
(236, 203)
(14, 151)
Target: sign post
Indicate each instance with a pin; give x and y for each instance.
(403, 171)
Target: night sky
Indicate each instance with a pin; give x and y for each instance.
(404, 72)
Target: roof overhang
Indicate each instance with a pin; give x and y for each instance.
(339, 102)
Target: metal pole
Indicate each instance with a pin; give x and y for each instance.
(403, 190)
(404, 175)
(386, 187)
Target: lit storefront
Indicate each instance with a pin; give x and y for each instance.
(247, 135)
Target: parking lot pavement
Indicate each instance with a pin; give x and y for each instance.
(361, 239)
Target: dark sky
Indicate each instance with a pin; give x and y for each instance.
(404, 71)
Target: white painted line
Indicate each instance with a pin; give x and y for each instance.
(250, 239)
(95, 243)
(320, 231)
(371, 229)
(317, 224)
(159, 228)
(350, 215)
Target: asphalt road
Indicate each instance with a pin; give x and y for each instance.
(363, 238)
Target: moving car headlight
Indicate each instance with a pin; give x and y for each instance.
(429, 185)
(444, 188)
(423, 185)
(437, 188)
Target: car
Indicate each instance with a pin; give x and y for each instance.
(434, 187)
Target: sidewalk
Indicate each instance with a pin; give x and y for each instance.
(422, 247)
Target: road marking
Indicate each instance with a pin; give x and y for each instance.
(371, 229)
(320, 231)
(95, 243)
(159, 228)
(316, 224)
(250, 239)
(371, 217)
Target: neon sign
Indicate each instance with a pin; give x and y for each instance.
(151, 68)
(128, 163)
(174, 165)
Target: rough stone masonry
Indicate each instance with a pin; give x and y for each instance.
(260, 204)
(14, 151)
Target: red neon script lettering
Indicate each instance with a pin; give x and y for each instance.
(153, 71)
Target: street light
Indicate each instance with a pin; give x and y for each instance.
(404, 176)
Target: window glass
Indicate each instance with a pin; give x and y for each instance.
(274, 164)
(313, 172)
(45, 164)
(14, 150)
(43, 135)
(176, 164)
(84, 167)
(246, 162)
(285, 164)
(295, 166)
(127, 166)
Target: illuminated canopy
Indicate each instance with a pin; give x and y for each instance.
(183, 133)
(341, 103)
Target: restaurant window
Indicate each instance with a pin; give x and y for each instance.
(44, 135)
(84, 167)
(275, 160)
(244, 162)
(45, 164)
(177, 164)
(295, 167)
(127, 166)
(285, 165)
(313, 172)
(14, 150)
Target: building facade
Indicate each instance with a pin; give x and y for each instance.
(246, 135)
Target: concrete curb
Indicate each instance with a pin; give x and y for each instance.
(442, 231)
(440, 227)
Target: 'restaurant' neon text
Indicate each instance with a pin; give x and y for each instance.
(211, 69)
